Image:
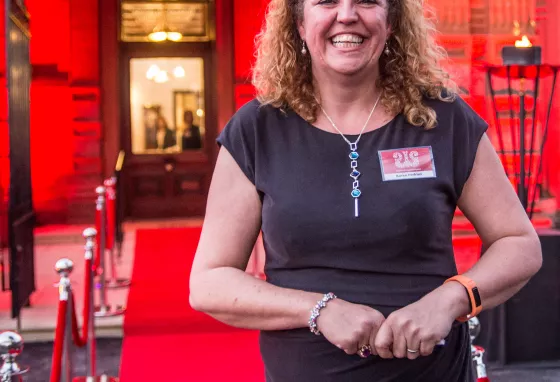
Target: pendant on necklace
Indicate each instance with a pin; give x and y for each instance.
(355, 174)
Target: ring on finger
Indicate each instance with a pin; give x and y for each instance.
(365, 351)
(412, 351)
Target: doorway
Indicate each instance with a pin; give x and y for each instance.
(168, 129)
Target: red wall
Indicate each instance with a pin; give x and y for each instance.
(248, 17)
(548, 14)
(4, 138)
(65, 121)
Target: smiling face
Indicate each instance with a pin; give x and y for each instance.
(344, 36)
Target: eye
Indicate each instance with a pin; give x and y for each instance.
(321, 2)
(368, 1)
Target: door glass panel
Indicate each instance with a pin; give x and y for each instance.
(167, 104)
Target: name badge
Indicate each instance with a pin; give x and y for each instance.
(407, 163)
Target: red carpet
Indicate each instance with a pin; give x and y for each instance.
(164, 339)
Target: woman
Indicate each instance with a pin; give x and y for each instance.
(164, 136)
(352, 162)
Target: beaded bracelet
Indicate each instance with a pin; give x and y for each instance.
(315, 312)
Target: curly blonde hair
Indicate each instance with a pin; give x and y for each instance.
(282, 74)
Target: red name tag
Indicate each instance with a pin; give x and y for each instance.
(407, 163)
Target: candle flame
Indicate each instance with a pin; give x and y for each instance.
(523, 43)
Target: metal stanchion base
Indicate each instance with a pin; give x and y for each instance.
(118, 283)
(107, 311)
(103, 378)
(14, 371)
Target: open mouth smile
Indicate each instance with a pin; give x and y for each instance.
(347, 40)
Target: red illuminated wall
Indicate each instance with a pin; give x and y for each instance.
(4, 137)
(548, 14)
(65, 104)
(248, 18)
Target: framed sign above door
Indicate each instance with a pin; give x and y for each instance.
(179, 21)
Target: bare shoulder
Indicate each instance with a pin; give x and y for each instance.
(489, 200)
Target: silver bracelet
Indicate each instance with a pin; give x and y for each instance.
(315, 312)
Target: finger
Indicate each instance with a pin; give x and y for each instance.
(412, 346)
(372, 337)
(384, 341)
(426, 347)
(350, 347)
(344, 349)
(399, 343)
(364, 348)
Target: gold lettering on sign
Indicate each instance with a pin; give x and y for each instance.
(188, 19)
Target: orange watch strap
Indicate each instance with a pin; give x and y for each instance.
(474, 296)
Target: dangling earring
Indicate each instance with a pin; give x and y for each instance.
(303, 49)
(387, 51)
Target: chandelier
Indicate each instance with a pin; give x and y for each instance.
(156, 74)
(162, 32)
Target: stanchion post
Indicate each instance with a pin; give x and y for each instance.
(100, 207)
(110, 203)
(104, 309)
(11, 346)
(64, 268)
(477, 352)
(89, 234)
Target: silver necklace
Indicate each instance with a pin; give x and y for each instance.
(355, 174)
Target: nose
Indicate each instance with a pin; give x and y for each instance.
(347, 12)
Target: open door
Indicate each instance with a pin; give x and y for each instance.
(20, 205)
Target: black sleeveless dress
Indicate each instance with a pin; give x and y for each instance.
(395, 252)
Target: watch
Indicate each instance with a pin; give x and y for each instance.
(474, 296)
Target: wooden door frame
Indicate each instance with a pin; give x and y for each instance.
(222, 50)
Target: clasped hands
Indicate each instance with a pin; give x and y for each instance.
(410, 332)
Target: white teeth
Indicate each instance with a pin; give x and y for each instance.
(347, 38)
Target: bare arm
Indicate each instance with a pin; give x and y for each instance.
(219, 286)
(513, 252)
(512, 257)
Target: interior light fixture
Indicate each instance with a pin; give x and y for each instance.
(179, 72)
(162, 32)
(161, 77)
(152, 72)
(165, 34)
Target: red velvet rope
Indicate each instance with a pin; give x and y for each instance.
(111, 215)
(97, 260)
(88, 288)
(78, 340)
(59, 341)
(483, 379)
(81, 341)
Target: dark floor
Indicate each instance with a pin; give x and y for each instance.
(38, 358)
